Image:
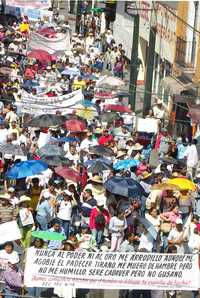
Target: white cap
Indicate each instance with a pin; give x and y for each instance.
(46, 195)
(179, 221)
(67, 192)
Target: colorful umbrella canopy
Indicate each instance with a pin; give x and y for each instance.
(26, 168)
(117, 108)
(103, 160)
(46, 235)
(88, 113)
(182, 183)
(47, 32)
(47, 120)
(125, 187)
(41, 56)
(51, 150)
(69, 174)
(164, 186)
(101, 150)
(126, 164)
(57, 161)
(75, 125)
(11, 149)
(110, 81)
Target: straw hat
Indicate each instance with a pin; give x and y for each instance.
(97, 179)
(98, 130)
(120, 154)
(137, 147)
(23, 199)
(5, 196)
(67, 193)
(145, 175)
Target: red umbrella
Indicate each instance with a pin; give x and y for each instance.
(41, 56)
(75, 125)
(117, 108)
(69, 174)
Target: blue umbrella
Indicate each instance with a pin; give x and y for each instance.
(71, 72)
(126, 164)
(86, 103)
(148, 226)
(104, 160)
(67, 139)
(124, 186)
(26, 168)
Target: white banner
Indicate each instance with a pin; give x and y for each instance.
(9, 231)
(50, 45)
(40, 105)
(52, 268)
(147, 125)
(39, 4)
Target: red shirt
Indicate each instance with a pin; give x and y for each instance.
(94, 214)
(105, 139)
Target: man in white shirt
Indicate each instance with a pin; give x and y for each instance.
(3, 132)
(88, 142)
(191, 156)
(160, 110)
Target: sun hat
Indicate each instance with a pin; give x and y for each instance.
(23, 199)
(137, 147)
(145, 175)
(67, 193)
(120, 153)
(11, 189)
(97, 179)
(5, 196)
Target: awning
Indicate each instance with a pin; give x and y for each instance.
(174, 86)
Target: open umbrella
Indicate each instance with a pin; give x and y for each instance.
(109, 117)
(57, 161)
(90, 162)
(75, 125)
(11, 149)
(67, 140)
(46, 235)
(101, 150)
(47, 32)
(47, 120)
(88, 113)
(51, 150)
(124, 186)
(165, 186)
(69, 174)
(117, 108)
(41, 56)
(26, 168)
(109, 81)
(148, 226)
(126, 164)
(98, 167)
(182, 183)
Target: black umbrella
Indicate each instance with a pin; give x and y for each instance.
(11, 149)
(57, 161)
(47, 120)
(124, 186)
(98, 167)
(51, 150)
(101, 150)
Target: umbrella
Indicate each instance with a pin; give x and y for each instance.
(101, 150)
(47, 120)
(117, 108)
(41, 56)
(110, 81)
(26, 168)
(46, 235)
(164, 186)
(109, 117)
(57, 161)
(182, 183)
(11, 149)
(148, 225)
(67, 140)
(124, 186)
(51, 150)
(103, 160)
(170, 160)
(88, 113)
(126, 164)
(69, 174)
(75, 125)
(98, 167)
(71, 72)
(49, 31)
(90, 77)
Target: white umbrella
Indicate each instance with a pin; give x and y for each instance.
(110, 81)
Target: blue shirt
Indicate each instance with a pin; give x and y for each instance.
(45, 211)
(56, 244)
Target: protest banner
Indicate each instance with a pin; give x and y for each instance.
(50, 45)
(39, 4)
(51, 268)
(147, 125)
(9, 231)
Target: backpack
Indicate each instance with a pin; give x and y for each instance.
(100, 221)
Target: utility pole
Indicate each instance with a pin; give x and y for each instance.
(78, 15)
(134, 62)
(149, 68)
(193, 54)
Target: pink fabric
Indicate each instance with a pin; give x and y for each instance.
(172, 217)
(94, 214)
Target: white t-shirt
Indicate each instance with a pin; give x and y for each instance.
(194, 243)
(65, 210)
(175, 235)
(146, 241)
(8, 257)
(3, 135)
(192, 156)
(154, 221)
